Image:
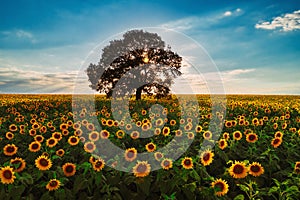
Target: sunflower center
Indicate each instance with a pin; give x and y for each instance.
(252, 137)
(51, 141)
(53, 183)
(35, 146)
(73, 140)
(166, 163)
(7, 174)
(206, 156)
(90, 146)
(255, 168)
(187, 162)
(44, 162)
(238, 169)
(220, 185)
(237, 135)
(130, 154)
(222, 143)
(276, 141)
(151, 146)
(98, 164)
(141, 168)
(94, 136)
(57, 136)
(10, 149)
(69, 169)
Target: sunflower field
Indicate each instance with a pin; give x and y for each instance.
(49, 150)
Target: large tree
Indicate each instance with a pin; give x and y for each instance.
(136, 49)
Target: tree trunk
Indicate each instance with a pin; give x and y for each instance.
(138, 94)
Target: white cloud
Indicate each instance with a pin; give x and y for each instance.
(227, 13)
(20, 34)
(193, 21)
(182, 24)
(287, 22)
(28, 81)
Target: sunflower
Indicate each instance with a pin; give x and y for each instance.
(60, 152)
(10, 149)
(158, 156)
(120, 134)
(63, 126)
(65, 132)
(39, 138)
(178, 133)
(188, 127)
(32, 132)
(34, 146)
(13, 128)
(238, 170)
(99, 164)
(104, 134)
(141, 169)
(51, 142)
(7, 175)
(157, 131)
(278, 134)
(226, 136)
(222, 144)
(255, 169)
(206, 157)
(128, 127)
(94, 136)
(237, 135)
(69, 169)
(78, 132)
(297, 167)
(207, 135)
(166, 131)
(130, 154)
(187, 163)
(190, 135)
(9, 135)
(297, 164)
(135, 135)
(173, 122)
(220, 186)
(89, 147)
(90, 127)
(43, 163)
(198, 129)
(19, 164)
(150, 147)
(109, 122)
(228, 124)
(276, 142)
(73, 140)
(166, 164)
(92, 159)
(146, 126)
(255, 121)
(53, 184)
(251, 137)
(57, 136)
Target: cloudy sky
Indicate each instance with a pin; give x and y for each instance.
(255, 45)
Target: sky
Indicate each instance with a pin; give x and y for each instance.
(254, 45)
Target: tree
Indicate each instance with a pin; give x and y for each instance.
(139, 57)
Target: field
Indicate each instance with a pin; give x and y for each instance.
(53, 148)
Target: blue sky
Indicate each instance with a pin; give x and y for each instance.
(254, 44)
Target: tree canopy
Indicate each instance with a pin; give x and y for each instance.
(142, 63)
